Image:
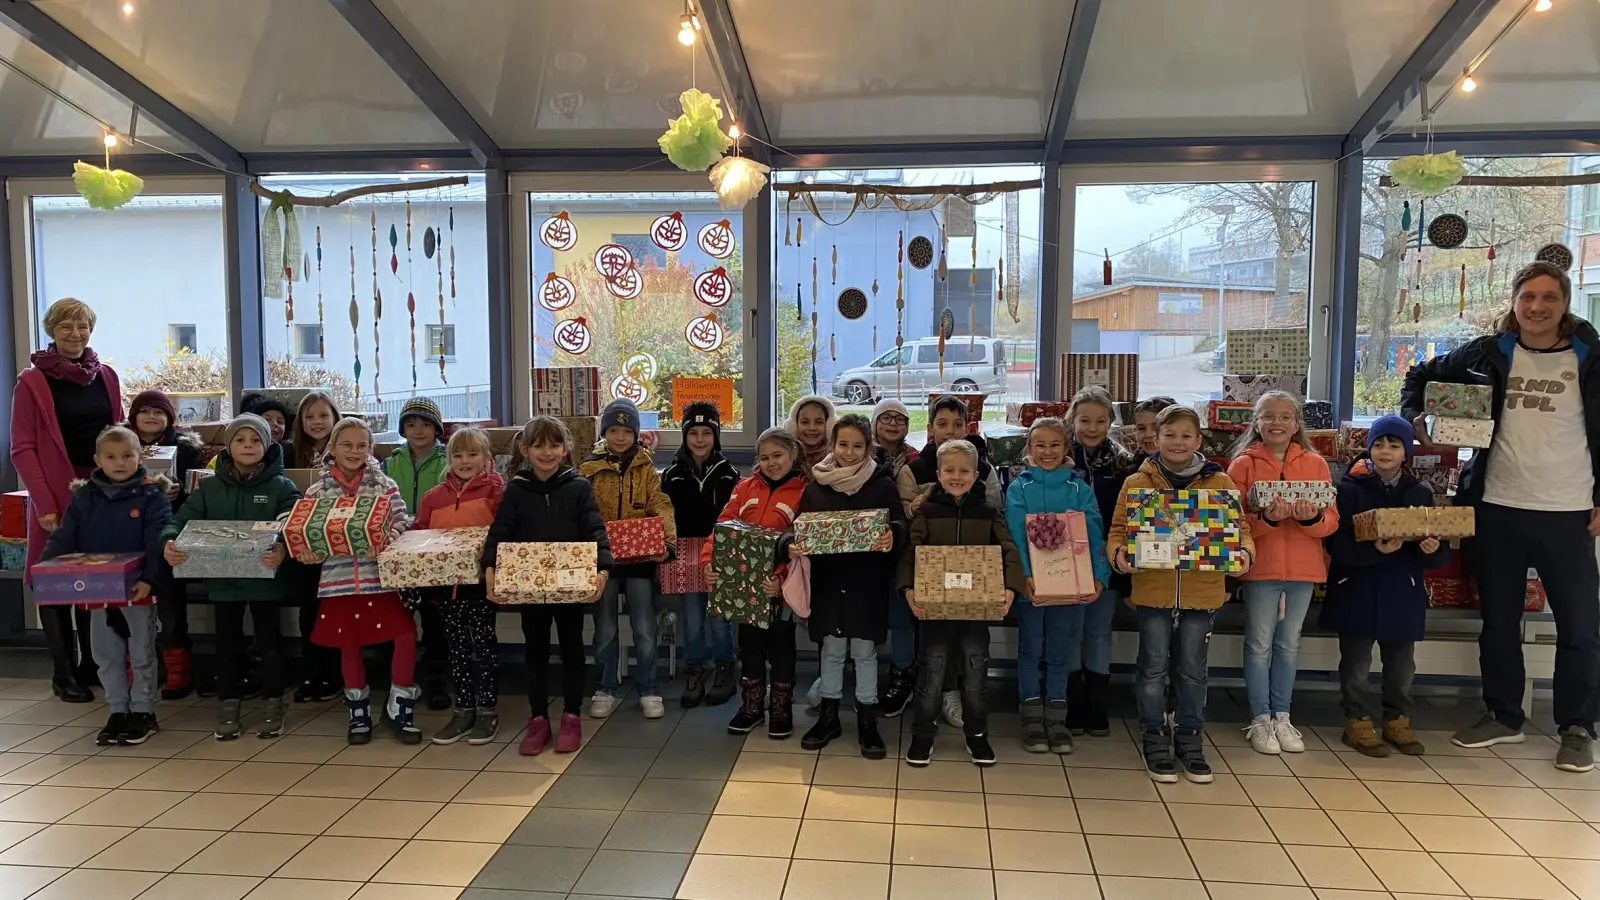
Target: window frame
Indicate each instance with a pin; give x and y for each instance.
(448, 357)
(174, 333)
(308, 357)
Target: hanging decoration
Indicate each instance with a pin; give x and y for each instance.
(1405, 215)
(813, 351)
(695, 140)
(1489, 279)
(572, 336)
(1447, 231)
(788, 210)
(737, 180)
(919, 252)
(394, 254)
(1556, 254)
(1428, 173)
(669, 233)
(947, 328)
(452, 253)
(972, 326)
(1011, 209)
(852, 303)
(799, 232)
(899, 307)
(558, 232)
(1583, 254)
(833, 272)
(411, 300)
(280, 244)
(106, 188)
(874, 318)
(799, 304)
(1000, 286)
(438, 267)
(321, 347)
(556, 294)
(944, 243)
(377, 313)
(611, 260)
(430, 242)
(813, 285)
(1461, 306)
(716, 239)
(833, 347)
(1105, 268)
(704, 333)
(713, 288)
(629, 386)
(355, 319)
(627, 285)
(642, 366)
(972, 273)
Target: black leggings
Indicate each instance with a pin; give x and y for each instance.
(231, 646)
(468, 621)
(772, 646)
(568, 619)
(320, 664)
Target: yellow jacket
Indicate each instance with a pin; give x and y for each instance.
(1165, 588)
(634, 495)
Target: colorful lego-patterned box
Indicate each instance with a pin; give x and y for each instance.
(1025, 414)
(965, 583)
(637, 540)
(1320, 494)
(1325, 441)
(1059, 554)
(1466, 401)
(743, 556)
(1118, 373)
(544, 573)
(1249, 388)
(1414, 523)
(855, 531)
(1228, 415)
(684, 574)
(974, 404)
(14, 514)
(226, 549)
(1008, 444)
(1196, 528)
(90, 580)
(567, 391)
(442, 557)
(1453, 431)
(1317, 414)
(1269, 351)
(338, 526)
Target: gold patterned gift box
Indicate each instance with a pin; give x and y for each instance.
(433, 558)
(544, 573)
(964, 583)
(1269, 351)
(1414, 523)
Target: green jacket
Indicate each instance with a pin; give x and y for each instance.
(413, 478)
(266, 497)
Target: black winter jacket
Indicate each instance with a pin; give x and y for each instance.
(698, 496)
(850, 592)
(114, 518)
(556, 510)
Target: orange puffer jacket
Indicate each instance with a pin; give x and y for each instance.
(1287, 550)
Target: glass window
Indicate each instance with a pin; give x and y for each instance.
(308, 341)
(182, 338)
(441, 342)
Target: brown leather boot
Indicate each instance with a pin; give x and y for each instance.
(1397, 731)
(1359, 734)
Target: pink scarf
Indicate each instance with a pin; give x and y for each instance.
(80, 371)
(844, 479)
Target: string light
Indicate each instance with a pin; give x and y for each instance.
(733, 131)
(1543, 6)
(1468, 83)
(127, 9)
(686, 30)
(110, 139)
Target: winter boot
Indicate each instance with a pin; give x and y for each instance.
(780, 711)
(867, 732)
(1360, 735)
(401, 712)
(227, 720)
(459, 726)
(1397, 731)
(752, 697)
(58, 638)
(1191, 748)
(485, 726)
(359, 702)
(570, 738)
(271, 717)
(535, 738)
(1034, 738)
(180, 681)
(1056, 717)
(1158, 761)
(694, 687)
(1096, 686)
(827, 727)
(902, 687)
(1078, 702)
(722, 684)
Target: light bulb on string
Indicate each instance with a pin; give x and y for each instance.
(733, 131)
(686, 30)
(110, 139)
(1543, 6)
(127, 10)
(1468, 83)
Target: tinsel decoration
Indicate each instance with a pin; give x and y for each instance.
(321, 329)
(1105, 268)
(355, 320)
(411, 299)
(1461, 304)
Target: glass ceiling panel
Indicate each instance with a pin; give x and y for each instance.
(1221, 68)
(557, 73)
(265, 75)
(36, 123)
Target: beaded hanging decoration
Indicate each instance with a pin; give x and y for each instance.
(438, 262)
(799, 304)
(972, 274)
(452, 254)
(411, 300)
(355, 319)
(813, 346)
(377, 306)
(321, 330)
(899, 306)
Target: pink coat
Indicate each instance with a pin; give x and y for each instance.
(38, 452)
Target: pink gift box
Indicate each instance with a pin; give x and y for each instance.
(90, 580)
(637, 540)
(1063, 574)
(684, 574)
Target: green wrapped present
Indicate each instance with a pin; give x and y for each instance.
(1008, 444)
(853, 531)
(743, 556)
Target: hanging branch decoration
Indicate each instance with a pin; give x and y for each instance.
(411, 302)
(321, 329)
(355, 319)
(713, 288)
(558, 232)
(669, 233)
(704, 333)
(332, 200)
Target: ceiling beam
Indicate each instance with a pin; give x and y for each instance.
(386, 41)
(727, 54)
(1079, 34)
(75, 53)
(1433, 54)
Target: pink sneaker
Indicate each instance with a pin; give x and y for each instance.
(536, 737)
(571, 733)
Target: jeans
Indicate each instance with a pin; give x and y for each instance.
(1355, 665)
(695, 621)
(1048, 632)
(641, 598)
(1096, 656)
(1190, 653)
(865, 653)
(115, 654)
(771, 646)
(1272, 645)
(232, 645)
(968, 642)
(902, 634)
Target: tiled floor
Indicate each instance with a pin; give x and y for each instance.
(679, 808)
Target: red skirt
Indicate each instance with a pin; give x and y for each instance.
(360, 620)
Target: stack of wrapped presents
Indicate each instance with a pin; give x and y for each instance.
(1459, 414)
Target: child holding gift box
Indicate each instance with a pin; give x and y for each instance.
(1176, 609)
(627, 486)
(418, 468)
(354, 612)
(249, 487)
(1051, 485)
(1277, 592)
(955, 513)
(769, 498)
(308, 448)
(548, 502)
(468, 498)
(120, 510)
(1375, 591)
(699, 481)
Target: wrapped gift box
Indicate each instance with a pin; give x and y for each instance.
(1533, 599)
(90, 580)
(1440, 481)
(159, 460)
(1460, 593)
(637, 540)
(1352, 441)
(544, 573)
(1317, 493)
(1325, 441)
(1008, 444)
(585, 431)
(450, 425)
(1124, 411)
(964, 583)
(1228, 415)
(13, 554)
(1414, 523)
(567, 391)
(1116, 372)
(1058, 548)
(433, 558)
(194, 479)
(684, 574)
(1196, 528)
(974, 404)
(1269, 351)
(1437, 458)
(1215, 443)
(1249, 388)
(1317, 414)
(743, 556)
(14, 515)
(226, 549)
(823, 533)
(1466, 401)
(197, 406)
(1453, 431)
(1025, 414)
(338, 526)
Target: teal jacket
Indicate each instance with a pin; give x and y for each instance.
(416, 478)
(265, 497)
(1057, 490)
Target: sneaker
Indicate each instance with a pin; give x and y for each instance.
(1289, 738)
(459, 726)
(1360, 736)
(920, 753)
(137, 729)
(1263, 735)
(1397, 731)
(1189, 745)
(1487, 732)
(271, 724)
(1158, 761)
(652, 706)
(602, 705)
(114, 726)
(979, 751)
(535, 737)
(484, 729)
(570, 738)
(950, 708)
(228, 725)
(1577, 750)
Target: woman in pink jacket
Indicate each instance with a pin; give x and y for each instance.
(1289, 562)
(59, 406)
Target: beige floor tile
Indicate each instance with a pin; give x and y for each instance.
(1560, 840)
(1317, 764)
(103, 772)
(1224, 790)
(1304, 826)
(1460, 834)
(509, 760)
(211, 887)
(1511, 877)
(1031, 781)
(1333, 867)
(941, 776)
(1516, 803)
(777, 768)
(381, 752)
(460, 755)
(101, 884)
(131, 808)
(1120, 887)
(63, 845)
(1340, 894)
(1409, 872)
(154, 849)
(921, 882)
(473, 823)
(1373, 831)
(52, 714)
(755, 798)
(1581, 876)
(1536, 746)
(925, 845)
(14, 833)
(298, 815)
(1039, 851)
(428, 785)
(1585, 804)
(1545, 775)
(1397, 767)
(1111, 784)
(1336, 793)
(1239, 823)
(67, 739)
(165, 744)
(384, 819)
(18, 882)
(46, 804)
(260, 778)
(1224, 890)
(1421, 799)
(1126, 817)
(712, 877)
(1222, 860)
(448, 863)
(1019, 813)
(182, 775)
(1042, 886)
(868, 842)
(1245, 761)
(296, 748)
(1140, 856)
(811, 879)
(341, 858)
(212, 812)
(354, 782)
(304, 889)
(750, 836)
(854, 771)
(376, 891)
(243, 853)
(850, 804)
(939, 808)
(1103, 754)
(1487, 770)
(41, 769)
(1269, 790)
(505, 788)
(223, 751)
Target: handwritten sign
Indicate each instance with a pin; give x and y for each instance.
(718, 391)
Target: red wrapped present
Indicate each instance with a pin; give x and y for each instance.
(974, 404)
(637, 540)
(568, 391)
(1025, 414)
(684, 574)
(324, 527)
(1325, 441)
(1229, 415)
(1533, 598)
(14, 515)
(90, 580)
(1460, 593)
(1058, 547)
(1437, 458)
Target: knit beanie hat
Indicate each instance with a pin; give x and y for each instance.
(153, 399)
(1395, 427)
(620, 412)
(261, 404)
(703, 413)
(246, 420)
(888, 406)
(424, 409)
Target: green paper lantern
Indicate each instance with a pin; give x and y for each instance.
(1428, 173)
(105, 188)
(695, 140)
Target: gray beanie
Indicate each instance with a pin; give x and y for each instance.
(250, 421)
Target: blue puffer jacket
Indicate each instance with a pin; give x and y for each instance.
(114, 518)
(1058, 490)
